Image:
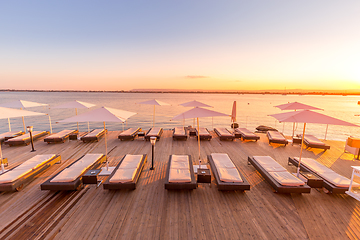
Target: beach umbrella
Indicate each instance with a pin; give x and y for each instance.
(296, 106)
(103, 114)
(23, 104)
(197, 113)
(14, 113)
(155, 103)
(76, 105)
(307, 116)
(195, 103)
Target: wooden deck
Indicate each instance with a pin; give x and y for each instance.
(151, 212)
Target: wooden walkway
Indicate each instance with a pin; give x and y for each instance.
(151, 212)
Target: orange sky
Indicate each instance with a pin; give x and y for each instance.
(235, 46)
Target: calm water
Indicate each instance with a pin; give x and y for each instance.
(252, 111)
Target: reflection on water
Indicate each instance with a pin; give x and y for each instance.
(252, 110)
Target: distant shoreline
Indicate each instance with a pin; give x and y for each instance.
(265, 92)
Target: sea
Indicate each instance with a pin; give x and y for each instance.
(252, 110)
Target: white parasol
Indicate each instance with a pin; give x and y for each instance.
(307, 116)
(76, 104)
(197, 113)
(102, 114)
(13, 113)
(155, 103)
(23, 104)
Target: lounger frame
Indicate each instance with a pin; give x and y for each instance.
(271, 140)
(130, 136)
(223, 137)
(228, 186)
(61, 139)
(180, 136)
(147, 137)
(326, 184)
(70, 186)
(28, 177)
(277, 186)
(27, 140)
(180, 185)
(93, 138)
(239, 134)
(204, 136)
(126, 185)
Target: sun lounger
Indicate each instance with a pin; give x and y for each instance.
(94, 135)
(313, 142)
(25, 139)
(245, 134)
(8, 135)
(154, 132)
(70, 178)
(17, 177)
(276, 137)
(180, 173)
(129, 134)
(227, 175)
(204, 134)
(59, 137)
(179, 133)
(127, 172)
(332, 181)
(277, 176)
(224, 134)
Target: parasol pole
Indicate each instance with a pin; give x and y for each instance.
(23, 122)
(9, 124)
(50, 124)
(107, 162)
(198, 128)
(327, 125)
(283, 127)
(302, 144)
(154, 117)
(293, 130)
(77, 122)
(1, 159)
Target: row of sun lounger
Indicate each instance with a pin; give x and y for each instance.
(69, 179)
(25, 138)
(179, 174)
(11, 134)
(17, 177)
(126, 173)
(311, 141)
(277, 176)
(332, 181)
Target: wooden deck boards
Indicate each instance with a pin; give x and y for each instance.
(151, 212)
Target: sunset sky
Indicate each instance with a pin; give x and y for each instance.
(188, 44)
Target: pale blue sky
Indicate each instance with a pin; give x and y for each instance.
(121, 45)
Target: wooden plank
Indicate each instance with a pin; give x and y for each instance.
(151, 212)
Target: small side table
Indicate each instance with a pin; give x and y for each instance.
(296, 140)
(312, 180)
(141, 135)
(73, 136)
(192, 132)
(90, 177)
(203, 175)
